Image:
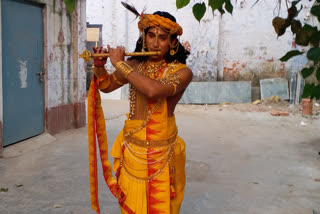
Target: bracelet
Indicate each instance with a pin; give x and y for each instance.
(117, 81)
(124, 68)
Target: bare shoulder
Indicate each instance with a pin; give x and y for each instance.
(185, 74)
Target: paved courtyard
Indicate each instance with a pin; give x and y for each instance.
(238, 162)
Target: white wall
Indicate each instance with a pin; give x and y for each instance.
(82, 40)
(241, 46)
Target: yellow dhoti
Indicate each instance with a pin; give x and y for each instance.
(152, 177)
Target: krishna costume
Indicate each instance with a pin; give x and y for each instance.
(149, 156)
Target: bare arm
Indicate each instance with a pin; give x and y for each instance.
(156, 89)
(110, 82)
(149, 87)
(116, 81)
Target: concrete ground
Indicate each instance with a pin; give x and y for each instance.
(238, 162)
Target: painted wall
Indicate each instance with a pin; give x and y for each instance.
(62, 29)
(66, 79)
(242, 46)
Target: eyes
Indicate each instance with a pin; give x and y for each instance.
(161, 37)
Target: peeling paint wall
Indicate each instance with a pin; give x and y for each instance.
(241, 46)
(82, 41)
(65, 82)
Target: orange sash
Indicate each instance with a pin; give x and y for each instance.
(96, 128)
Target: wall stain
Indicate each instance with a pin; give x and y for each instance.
(239, 71)
(61, 36)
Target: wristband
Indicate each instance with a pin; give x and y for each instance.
(124, 68)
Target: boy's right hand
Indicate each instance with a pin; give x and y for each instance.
(99, 61)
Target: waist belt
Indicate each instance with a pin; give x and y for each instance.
(150, 143)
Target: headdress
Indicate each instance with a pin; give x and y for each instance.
(155, 20)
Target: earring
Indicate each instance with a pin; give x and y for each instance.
(174, 48)
(172, 51)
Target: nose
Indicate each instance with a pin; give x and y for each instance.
(156, 42)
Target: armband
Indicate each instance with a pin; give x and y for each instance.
(124, 68)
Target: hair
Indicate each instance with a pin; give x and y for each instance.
(181, 55)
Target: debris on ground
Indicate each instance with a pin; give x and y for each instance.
(274, 99)
(256, 102)
(255, 182)
(317, 179)
(302, 123)
(279, 113)
(225, 104)
(2, 189)
(57, 206)
(18, 185)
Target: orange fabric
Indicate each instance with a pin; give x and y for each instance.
(96, 128)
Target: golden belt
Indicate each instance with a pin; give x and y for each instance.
(150, 143)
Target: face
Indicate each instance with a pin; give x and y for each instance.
(157, 40)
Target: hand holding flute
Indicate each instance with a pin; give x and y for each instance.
(87, 56)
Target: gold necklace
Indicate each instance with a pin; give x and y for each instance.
(151, 69)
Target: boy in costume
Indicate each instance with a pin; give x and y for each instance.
(149, 156)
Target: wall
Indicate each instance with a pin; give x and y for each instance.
(66, 79)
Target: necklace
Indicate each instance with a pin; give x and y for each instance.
(153, 69)
(150, 69)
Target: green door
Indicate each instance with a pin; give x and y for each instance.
(22, 62)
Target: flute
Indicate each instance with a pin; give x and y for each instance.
(87, 56)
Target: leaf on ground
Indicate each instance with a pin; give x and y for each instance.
(255, 182)
(57, 206)
(256, 102)
(2, 189)
(18, 185)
